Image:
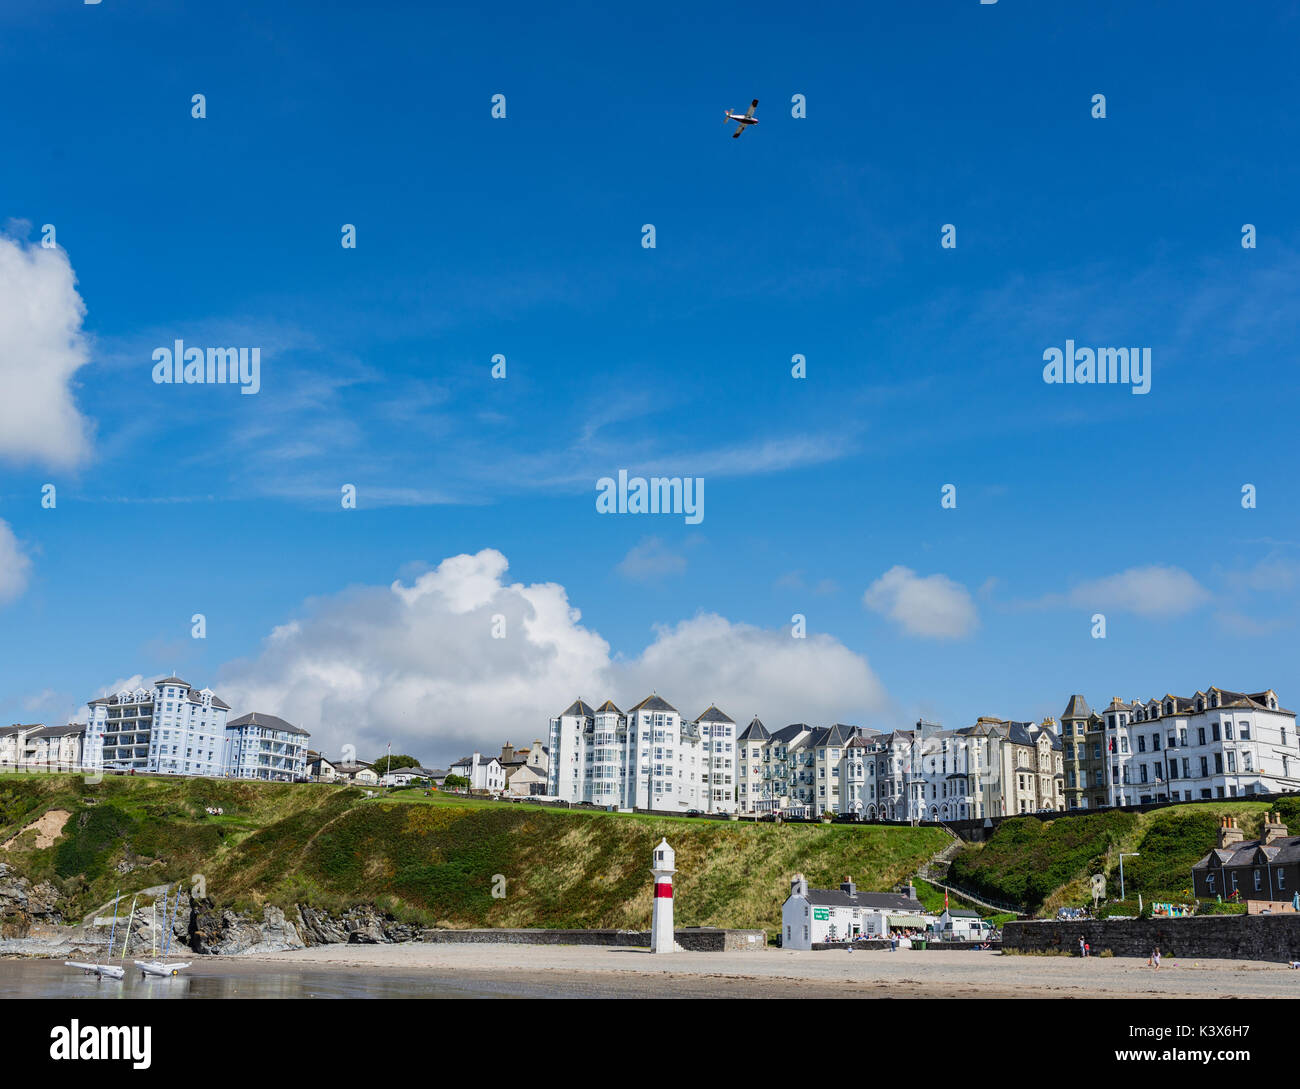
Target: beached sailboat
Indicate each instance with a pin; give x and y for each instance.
(102, 971)
(159, 966)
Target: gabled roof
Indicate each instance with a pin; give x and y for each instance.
(577, 708)
(606, 708)
(654, 703)
(714, 715)
(788, 733)
(755, 731)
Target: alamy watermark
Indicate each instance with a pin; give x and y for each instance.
(1102, 366)
(658, 495)
(213, 366)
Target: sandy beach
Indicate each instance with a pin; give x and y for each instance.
(624, 972)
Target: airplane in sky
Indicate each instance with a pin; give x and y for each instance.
(742, 119)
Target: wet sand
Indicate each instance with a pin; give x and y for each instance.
(775, 973)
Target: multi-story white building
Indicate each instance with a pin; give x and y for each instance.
(648, 757)
(42, 748)
(261, 746)
(170, 727)
(1214, 744)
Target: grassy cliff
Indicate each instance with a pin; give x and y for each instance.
(429, 860)
(1045, 864)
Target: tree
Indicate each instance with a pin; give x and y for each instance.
(455, 782)
(399, 760)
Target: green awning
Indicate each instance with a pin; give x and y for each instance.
(913, 921)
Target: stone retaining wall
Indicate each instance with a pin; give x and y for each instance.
(703, 939)
(1248, 937)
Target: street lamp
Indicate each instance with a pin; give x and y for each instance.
(1122, 856)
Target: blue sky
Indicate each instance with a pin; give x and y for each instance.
(818, 235)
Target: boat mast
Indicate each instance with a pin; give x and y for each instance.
(127, 940)
(112, 934)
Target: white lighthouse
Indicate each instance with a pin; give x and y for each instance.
(661, 925)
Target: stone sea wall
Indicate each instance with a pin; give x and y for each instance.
(1246, 937)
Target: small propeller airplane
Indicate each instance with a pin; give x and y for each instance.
(741, 119)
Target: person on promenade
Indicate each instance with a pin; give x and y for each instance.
(1081, 947)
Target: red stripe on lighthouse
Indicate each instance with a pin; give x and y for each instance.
(663, 890)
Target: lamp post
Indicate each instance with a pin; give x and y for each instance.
(1122, 856)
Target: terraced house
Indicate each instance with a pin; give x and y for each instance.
(801, 769)
(1083, 743)
(1264, 872)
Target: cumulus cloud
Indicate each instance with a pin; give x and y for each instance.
(933, 606)
(15, 565)
(418, 664)
(1147, 591)
(41, 349)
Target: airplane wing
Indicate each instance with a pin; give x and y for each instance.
(752, 107)
(739, 129)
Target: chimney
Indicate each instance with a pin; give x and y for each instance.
(1274, 829)
(911, 891)
(798, 885)
(847, 886)
(1229, 833)
(507, 753)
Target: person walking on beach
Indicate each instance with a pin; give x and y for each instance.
(1155, 958)
(1082, 947)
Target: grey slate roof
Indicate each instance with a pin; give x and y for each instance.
(1076, 708)
(173, 680)
(267, 722)
(755, 731)
(890, 901)
(714, 715)
(653, 703)
(577, 707)
(1251, 853)
(606, 707)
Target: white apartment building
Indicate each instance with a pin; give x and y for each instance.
(1213, 744)
(261, 746)
(42, 748)
(169, 727)
(648, 757)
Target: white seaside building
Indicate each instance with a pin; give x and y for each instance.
(261, 746)
(169, 727)
(648, 757)
(809, 915)
(1214, 744)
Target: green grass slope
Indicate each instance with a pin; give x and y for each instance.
(1044, 864)
(430, 860)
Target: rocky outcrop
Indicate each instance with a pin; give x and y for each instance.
(221, 930)
(22, 903)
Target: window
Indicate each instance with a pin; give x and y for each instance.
(1200, 732)
(1209, 883)
(1214, 731)
(1281, 878)
(1257, 881)
(1142, 743)
(1205, 766)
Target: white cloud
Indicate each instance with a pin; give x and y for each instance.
(15, 565)
(417, 664)
(41, 349)
(934, 606)
(1147, 591)
(651, 559)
